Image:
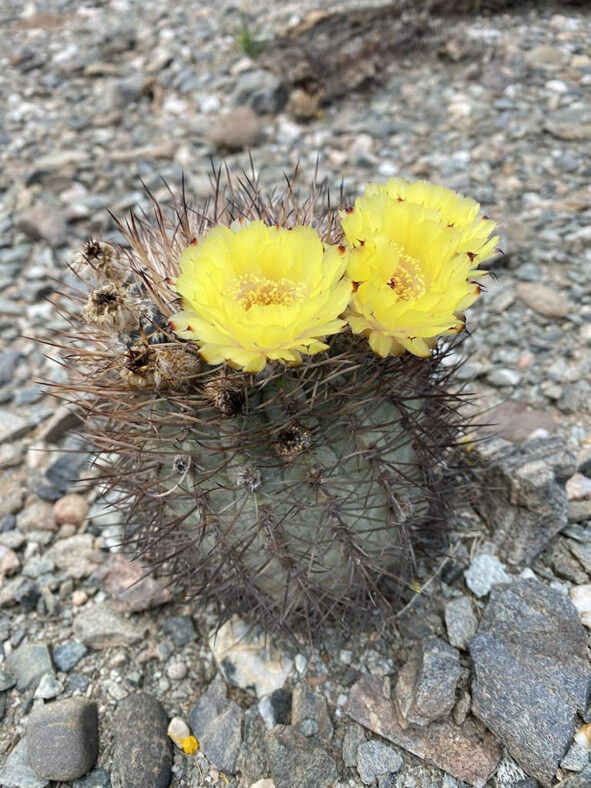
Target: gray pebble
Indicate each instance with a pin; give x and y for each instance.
(461, 621)
(374, 758)
(18, 773)
(62, 738)
(181, 629)
(97, 778)
(67, 655)
(297, 761)
(309, 727)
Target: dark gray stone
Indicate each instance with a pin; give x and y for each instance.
(261, 90)
(375, 758)
(426, 685)
(97, 778)
(64, 472)
(142, 750)
(522, 496)
(181, 629)
(28, 663)
(7, 681)
(275, 708)
(581, 780)
(68, 655)
(354, 736)
(27, 594)
(309, 705)
(531, 673)
(252, 763)
(62, 738)
(296, 761)
(18, 773)
(460, 621)
(216, 722)
(77, 681)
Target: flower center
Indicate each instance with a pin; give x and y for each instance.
(252, 290)
(407, 281)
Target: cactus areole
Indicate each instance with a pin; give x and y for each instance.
(263, 384)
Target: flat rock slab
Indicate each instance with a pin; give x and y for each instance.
(296, 761)
(531, 673)
(28, 663)
(62, 738)
(216, 722)
(523, 496)
(100, 626)
(462, 751)
(18, 773)
(142, 750)
(131, 588)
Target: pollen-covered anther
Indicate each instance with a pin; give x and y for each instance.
(111, 309)
(408, 281)
(292, 440)
(251, 290)
(248, 476)
(225, 396)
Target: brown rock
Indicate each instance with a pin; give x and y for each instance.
(41, 222)
(543, 300)
(8, 561)
(236, 130)
(38, 516)
(72, 509)
(466, 752)
(76, 556)
(514, 421)
(130, 587)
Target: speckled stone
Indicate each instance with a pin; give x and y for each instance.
(62, 738)
(142, 750)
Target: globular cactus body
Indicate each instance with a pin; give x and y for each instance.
(295, 488)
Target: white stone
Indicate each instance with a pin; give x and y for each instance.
(484, 572)
(578, 487)
(580, 596)
(248, 658)
(301, 663)
(178, 730)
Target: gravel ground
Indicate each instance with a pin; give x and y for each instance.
(100, 96)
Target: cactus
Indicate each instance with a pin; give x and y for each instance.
(296, 487)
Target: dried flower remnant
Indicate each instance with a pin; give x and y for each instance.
(414, 250)
(111, 309)
(99, 262)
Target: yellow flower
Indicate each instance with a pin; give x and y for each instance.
(414, 249)
(252, 293)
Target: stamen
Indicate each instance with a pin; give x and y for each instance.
(252, 290)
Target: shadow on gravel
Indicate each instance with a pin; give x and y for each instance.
(331, 55)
